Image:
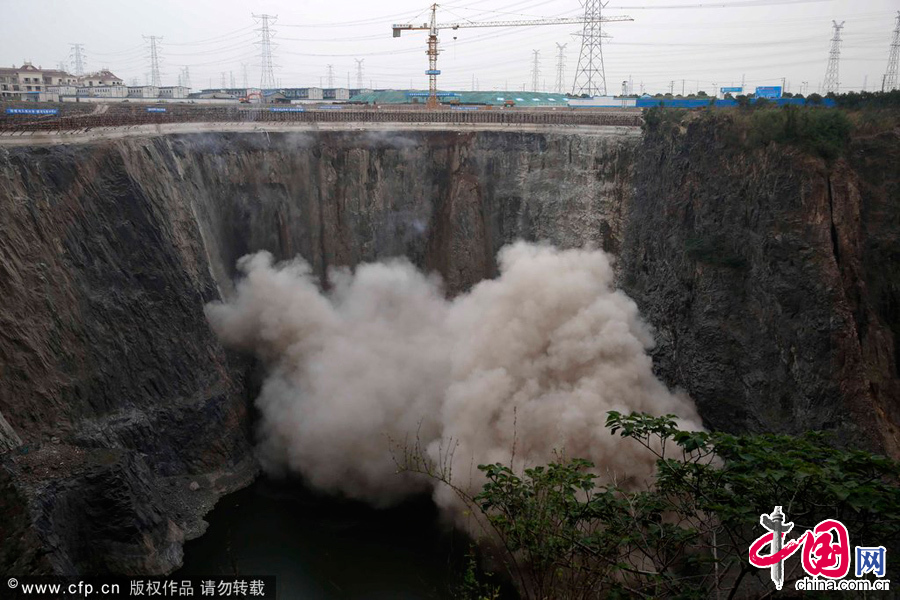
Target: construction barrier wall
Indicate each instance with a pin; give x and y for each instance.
(121, 116)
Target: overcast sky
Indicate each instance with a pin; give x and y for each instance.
(703, 43)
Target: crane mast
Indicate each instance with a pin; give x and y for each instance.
(433, 27)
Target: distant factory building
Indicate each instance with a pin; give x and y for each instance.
(62, 90)
(311, 93)
(174, 91)
(143, 91)
(102, 91)
(335, 94)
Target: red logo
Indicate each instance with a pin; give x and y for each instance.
(826, 548)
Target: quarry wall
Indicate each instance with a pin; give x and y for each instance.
(769, 276)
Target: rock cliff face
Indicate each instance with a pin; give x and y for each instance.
(114, 394)
(771, 278)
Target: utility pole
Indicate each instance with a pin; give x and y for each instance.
(536, 71)
(154, 61)
(804, 87)
(244, 73)
(359, 72)
(224, 83)
(267, 67)
(832, 73)
(560, 67)
(186, 77)
(891, 74)
(590, 75)
(865, 81)
(78, 56)
(672, 88)
(682, 88)
(231, 78)
(330, 77)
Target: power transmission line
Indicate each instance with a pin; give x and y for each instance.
(267, 77)
(832, 73)
(154, 61)
(890, 75)
(590, 75)
(560, 67)
(536, 71)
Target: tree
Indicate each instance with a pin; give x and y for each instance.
(561, 534)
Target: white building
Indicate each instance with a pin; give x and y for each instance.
(174, 91)
(21, 83)
(48, 85)
(103, 78)
(109, 91)
(143, 91)
(63, 90)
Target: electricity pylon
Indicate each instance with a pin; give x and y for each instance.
(890, 75)
(154, 60)
(561, 68)
(536, 71)
(78, 56)
(359, 72)
(267, 66)
(590, 75)
(832, 73)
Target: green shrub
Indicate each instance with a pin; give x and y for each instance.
(687, 535)
(661, 120)
(823, 132)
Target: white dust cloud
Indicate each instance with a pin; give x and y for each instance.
(531, 360)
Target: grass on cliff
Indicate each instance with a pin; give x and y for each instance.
(817, 131)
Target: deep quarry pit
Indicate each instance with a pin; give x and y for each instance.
(769, 278)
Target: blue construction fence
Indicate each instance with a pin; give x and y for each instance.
(722, 103)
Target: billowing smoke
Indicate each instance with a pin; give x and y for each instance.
(529, 362)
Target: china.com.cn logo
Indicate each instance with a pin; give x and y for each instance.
(825, 553)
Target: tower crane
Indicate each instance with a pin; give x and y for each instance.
(432, 27)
